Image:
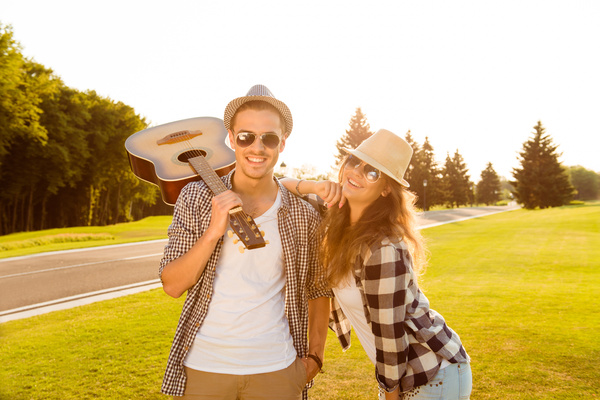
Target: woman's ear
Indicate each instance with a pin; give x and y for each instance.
(386, 190)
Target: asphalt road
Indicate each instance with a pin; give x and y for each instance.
(45, 277)
(56, 275)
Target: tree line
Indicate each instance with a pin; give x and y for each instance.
(63, 161)
(540, 181)
(62, 156)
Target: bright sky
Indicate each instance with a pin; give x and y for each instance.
(471, 75)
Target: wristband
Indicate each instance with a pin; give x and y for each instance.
(317, 360)
(298, 187)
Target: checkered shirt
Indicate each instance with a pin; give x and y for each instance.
(305, 280)
(411, 340)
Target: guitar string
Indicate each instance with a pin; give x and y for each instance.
(188, 137)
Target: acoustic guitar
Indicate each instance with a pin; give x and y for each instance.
(160, 154)
(174, 154)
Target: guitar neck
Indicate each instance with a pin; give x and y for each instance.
(208, 174)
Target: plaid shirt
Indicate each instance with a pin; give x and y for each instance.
(411, 340)
(298, 223)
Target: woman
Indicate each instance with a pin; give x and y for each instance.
(373, 252)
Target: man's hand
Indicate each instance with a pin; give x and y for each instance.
(221, 205)
(312, 369)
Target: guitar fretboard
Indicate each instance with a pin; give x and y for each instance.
(208, 174)
(243, 225)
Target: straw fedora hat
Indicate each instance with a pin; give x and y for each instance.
(387, 152)
(261, 93)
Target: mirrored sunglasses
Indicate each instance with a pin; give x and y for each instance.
(269, 140)
(372, 174)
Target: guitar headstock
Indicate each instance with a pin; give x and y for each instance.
(246, 229)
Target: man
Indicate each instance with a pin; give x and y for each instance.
(242, 333)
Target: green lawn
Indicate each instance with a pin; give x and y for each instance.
(18, 244)
(518, 287)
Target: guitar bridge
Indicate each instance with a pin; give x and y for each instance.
(177, 137)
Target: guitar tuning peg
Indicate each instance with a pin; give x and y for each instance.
(266, 242)
(258, 225)
(242, 249)
(262, 233)
(230, 233)
(236, 240)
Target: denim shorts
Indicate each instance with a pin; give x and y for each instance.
(451, 383)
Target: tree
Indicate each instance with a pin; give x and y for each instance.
(414, 170)
(423, 174)
(488, 188)
(20, 90)
(586, 183)
(456, 186)
(23, 86)
(62, 157)
(358, 132)
(541, 181)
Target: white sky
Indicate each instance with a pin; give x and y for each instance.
(471, 75)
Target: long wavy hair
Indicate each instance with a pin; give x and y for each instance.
(392, 216)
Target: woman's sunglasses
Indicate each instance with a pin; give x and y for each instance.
(372, 174)
(245, 139)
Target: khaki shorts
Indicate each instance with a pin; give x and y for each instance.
(285, 384)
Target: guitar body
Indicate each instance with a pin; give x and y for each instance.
(160, 154)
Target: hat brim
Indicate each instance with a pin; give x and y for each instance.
(278, 104)
(374, 163)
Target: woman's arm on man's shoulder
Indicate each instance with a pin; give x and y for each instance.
(330, 192)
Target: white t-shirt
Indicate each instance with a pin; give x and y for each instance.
(350, 301)
(246, 330)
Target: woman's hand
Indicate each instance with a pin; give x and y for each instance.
(330, 192)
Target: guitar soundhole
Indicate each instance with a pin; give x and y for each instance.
(186, 155)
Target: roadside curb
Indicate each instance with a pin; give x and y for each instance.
(78, 300)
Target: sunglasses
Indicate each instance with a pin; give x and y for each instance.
(372, 174)
(269, 140)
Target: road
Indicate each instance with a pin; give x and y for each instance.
(55, 275)
(25, 282)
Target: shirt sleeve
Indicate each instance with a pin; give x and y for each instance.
(185, 227)
(388, 274)
(316, 279)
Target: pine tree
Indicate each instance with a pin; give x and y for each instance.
(456, 186)
(488, 188)
(358, 132)
(541, 181)
(432, 193)
(423, 173)
(414, 169)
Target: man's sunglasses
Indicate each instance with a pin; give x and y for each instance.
(269, 140)
(372, 174)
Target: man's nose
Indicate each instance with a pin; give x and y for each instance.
(257, 144)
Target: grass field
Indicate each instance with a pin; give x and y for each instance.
(520, 288)
(18, 244)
